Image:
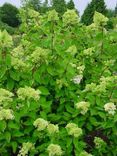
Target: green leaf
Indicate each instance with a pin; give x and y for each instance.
(7, 136)
(44, 90)
(2, 125)
(14, 146)
(15, 75)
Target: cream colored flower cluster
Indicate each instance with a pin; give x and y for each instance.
(28, 93)
(89, 51)
(99, 19)
(19, 59)
(104, 83)
(6, 114)
(99, 143)
(83, 107)
(42, 124)
(70, 17)
(74, 130)
(54, 150)
(72, 50)
(53, 15)
(5, 97)
(110, 108)
(84, 153)
(26, 148)
(5, 39)
(39, 56)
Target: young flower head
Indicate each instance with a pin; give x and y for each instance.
(6, 114)
(84, 153)
(52, 129)
(110, 108)
(72, 50)
(40, 124)
(28, 93)
(54, 150)
(83, 107)
(26, 147)
(53, 15)
(5, 97)
(99, 19)
(74, 130)
(99, 143)
(89, 51)
(70, 17)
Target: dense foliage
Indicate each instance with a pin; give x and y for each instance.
(58, 91)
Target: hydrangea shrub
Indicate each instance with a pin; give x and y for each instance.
(58, 87)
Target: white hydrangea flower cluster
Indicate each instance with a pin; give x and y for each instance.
(89, 51)
(110, 108)
(5, 39)
(74, 130)
(84, 153)
(54, 150)
(70, 17)
(6, 114)
(52, 129)
(99, 19)
(83, 107)
(40, 124)
(26, 148)
(72, 50)
(53, 15)
(99, 143)
(28, 93)
(39, 56)
(77, 79)
(5, 97)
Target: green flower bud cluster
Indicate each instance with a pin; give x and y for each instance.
(39, 56)
(74, 130)
(6, 114)
(89, 51)
(40, 124)
(26, 148)
(54, 150)
(83, 107)
(5, 97)
(104, 83)
(99, 143)
(81, 69)
(109, 63)
(70, 17)
(52, 15)
(110, 108)
(99, 19)
(84, 153)
(28, 93)
(5, 39)
(72, 50)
